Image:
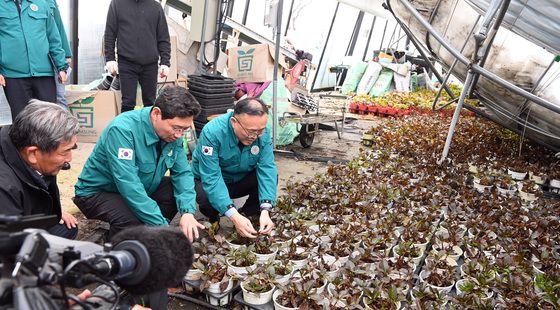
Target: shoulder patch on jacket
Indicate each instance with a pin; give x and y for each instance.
(125, 154)
(207, 150)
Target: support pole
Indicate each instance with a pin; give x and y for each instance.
(383, 37)
(275, 74)
(325, 46)
(289, 17)
(450, 71)
(369, 38)
(355, 33)
(200, 69)
(483, 51)
(245, 12)
(455, 119)
(75, 41)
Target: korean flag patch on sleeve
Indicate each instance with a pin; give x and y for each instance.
(207, 150)
(125, 154)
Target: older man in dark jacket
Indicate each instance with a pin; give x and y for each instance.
(32, 151)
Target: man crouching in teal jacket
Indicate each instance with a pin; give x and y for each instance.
(234, 158)
(123, 181)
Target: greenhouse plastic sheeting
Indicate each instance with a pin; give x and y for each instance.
(535, 20)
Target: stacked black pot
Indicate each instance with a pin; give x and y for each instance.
(214, 93)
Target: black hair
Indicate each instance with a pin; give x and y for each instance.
(177, 101)
(248, 106)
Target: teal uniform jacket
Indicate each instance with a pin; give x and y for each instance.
(217, 161)
(61, 30)
(27, 39)
(124, 161)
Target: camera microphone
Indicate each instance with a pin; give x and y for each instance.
(142, 260)
(128, 262)
(169, 257)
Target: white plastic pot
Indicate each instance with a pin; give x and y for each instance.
(539, 179)
(216, 297)
(233, 245)
(284, 280)
(366, 302)
(331, 288)
(321, 289)
(516, 175)
(263, 258)
(467, 276)
(527, 197)
(240, 271)
(193, 275)
(214, 288)
(278, 306)
(506, 192)
(257, 298)
(441, 289)
(482, 188)
(331, 275)
(415, 260)
(329, 259)
(457, 253)
(460, 282)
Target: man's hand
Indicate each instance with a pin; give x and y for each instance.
(243, 226)
(266, 223)
(189, 225)
(112, 67)
(2, 80)
(69, 220)
(163, 71)
(62, 77)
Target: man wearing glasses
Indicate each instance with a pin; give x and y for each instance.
(234, 158)
(123, 181)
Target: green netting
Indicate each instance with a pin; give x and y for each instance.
(286, 134)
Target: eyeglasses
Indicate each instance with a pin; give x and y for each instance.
(179, 130)
(250, 133)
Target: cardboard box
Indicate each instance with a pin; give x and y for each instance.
(252, 63)
(173, 61)
(94, 110)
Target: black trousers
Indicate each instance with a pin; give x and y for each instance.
(249, 185)
(112, 208)
(131, 74)
(20, 90)
(61, 230)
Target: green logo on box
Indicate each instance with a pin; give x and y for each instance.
(83, 111)
(245, 60)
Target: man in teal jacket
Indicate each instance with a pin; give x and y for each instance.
(29, 45)
(234, 158)
(123, 181)
(60, 90)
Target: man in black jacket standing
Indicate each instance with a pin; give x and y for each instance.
(140, 30)
(32, 152)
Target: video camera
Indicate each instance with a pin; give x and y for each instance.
(37, 268)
